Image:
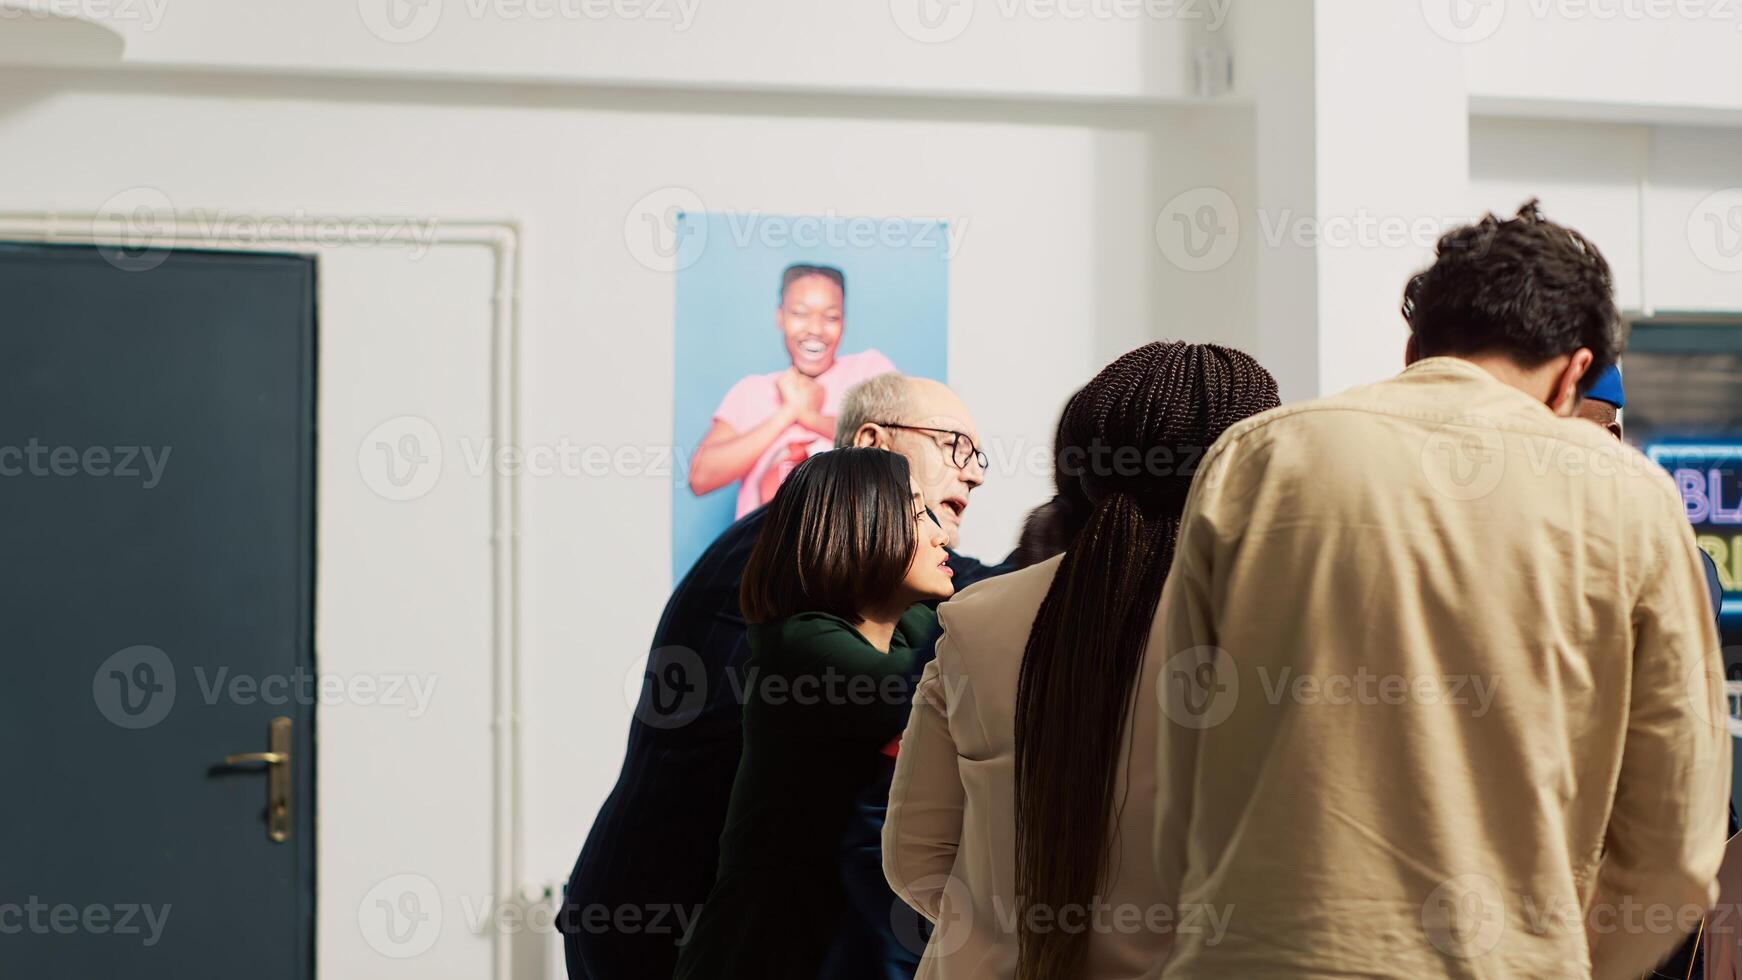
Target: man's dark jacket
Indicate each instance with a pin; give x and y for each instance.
(649, 861)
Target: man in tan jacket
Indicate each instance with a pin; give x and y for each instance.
(1442, 694)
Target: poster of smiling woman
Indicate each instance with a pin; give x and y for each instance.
(777, 317)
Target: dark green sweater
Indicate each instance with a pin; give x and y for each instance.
(820, 704)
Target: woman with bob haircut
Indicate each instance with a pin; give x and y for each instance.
(846, 554)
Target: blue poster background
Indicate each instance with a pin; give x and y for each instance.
(728, 286)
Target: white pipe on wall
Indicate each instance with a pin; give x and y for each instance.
(505, 580)
(503, 239)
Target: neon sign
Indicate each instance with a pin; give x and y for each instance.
(1709, 477)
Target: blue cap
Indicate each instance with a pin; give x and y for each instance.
(1608, 388)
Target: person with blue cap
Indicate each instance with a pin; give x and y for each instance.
(1602, 404)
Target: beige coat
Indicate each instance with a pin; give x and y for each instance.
(949, 837)
(1439, 689)
(1444, 696)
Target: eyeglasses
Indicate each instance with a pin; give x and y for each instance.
(962, 448)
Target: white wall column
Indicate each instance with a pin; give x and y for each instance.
(1363, 159)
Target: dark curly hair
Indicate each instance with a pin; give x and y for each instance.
(1525, 286)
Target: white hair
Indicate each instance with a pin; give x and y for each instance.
(884, 398)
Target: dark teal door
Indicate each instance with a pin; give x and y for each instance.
(156, 614)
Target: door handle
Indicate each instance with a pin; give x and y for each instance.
(277, 762)
(243, 758)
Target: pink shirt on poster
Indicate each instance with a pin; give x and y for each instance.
(756, 397)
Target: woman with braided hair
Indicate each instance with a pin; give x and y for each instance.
(1022, 812)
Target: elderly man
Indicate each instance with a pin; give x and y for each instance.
(650, 859)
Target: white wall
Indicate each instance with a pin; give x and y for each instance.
(1664, 203)
(1357, 175)
(1692, 226)
(403, 597)
(1058, 270)
(1386, 153)
(1123, 49)
(1639, 57)
(1588, 175)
